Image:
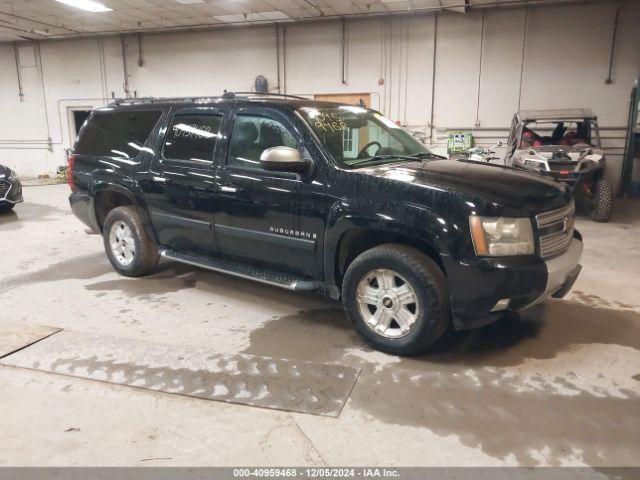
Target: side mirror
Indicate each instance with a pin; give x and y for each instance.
(284, 159)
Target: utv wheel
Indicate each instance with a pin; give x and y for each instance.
(129, 248)
(7, 207)
(396, 298)
(603, 199)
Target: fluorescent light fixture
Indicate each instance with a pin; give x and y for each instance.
(88, 5)
(232, 18)
(189, 2)
(274, 15)
(253, 17)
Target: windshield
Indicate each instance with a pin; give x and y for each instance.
(356, 136)
(568, 133)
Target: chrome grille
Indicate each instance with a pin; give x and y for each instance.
(550, 244)
(555, 230)
(4, 188)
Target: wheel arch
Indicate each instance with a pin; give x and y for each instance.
(357, 239)
(108, 197)
(108, 193)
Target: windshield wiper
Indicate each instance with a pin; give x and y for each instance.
(385, 157)
(418, 156)
(422, 155)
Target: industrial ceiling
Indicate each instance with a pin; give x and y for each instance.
(46, 19)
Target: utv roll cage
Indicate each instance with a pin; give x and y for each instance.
(524, 117)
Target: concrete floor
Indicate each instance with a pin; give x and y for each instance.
(558, 386)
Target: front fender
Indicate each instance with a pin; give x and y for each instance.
(408, 220)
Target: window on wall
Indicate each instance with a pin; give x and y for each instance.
(252, 135)
(192, 138)
(120, 134)
(350, 139)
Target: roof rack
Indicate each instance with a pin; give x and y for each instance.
(225, 95)
(263, 94)
(136, 100)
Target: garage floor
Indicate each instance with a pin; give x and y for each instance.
(557, 386)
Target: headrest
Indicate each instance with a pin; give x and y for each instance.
(270, 135)
(246, 132)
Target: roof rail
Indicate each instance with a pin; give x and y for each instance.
(136, 100)
(264, 94)
(225, 95)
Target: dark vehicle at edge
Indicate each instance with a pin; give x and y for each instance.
(10, 189)
(325, 197)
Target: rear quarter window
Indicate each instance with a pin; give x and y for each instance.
(119, 134)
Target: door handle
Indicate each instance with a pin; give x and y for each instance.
(147, 184)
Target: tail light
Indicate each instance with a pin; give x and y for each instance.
(71, 160)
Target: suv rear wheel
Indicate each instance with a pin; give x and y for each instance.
(129, 248)
(396, 297)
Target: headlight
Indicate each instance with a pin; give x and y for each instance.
(12, 175)
(501, 237)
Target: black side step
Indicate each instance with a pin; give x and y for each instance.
(244, 270)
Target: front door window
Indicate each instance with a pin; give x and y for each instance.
(252, 135)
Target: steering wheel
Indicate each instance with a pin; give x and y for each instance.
(363, 150)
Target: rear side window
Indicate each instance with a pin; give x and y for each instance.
(192, 138)
(117, 134)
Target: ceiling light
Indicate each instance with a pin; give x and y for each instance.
(189, 2)
(275, 15)
(88, 5)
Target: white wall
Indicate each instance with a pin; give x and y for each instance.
(566, 58)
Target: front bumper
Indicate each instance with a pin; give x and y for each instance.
(12, 194)
(482, 290)
(562, 272)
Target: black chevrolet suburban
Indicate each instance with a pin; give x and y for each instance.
(326, 197)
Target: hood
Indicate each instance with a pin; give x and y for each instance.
(501, 190)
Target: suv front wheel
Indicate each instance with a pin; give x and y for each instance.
(129, 248)
(396, 298)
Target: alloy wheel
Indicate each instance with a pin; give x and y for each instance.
(387, 303)
(123, 245)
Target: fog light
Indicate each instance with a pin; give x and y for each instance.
(501, 305)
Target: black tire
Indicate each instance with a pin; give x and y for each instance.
(432, 309)
(603, 201)
(6, 207)
(146, 254)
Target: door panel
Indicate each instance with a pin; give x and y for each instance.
(181, 189)
(258, 217)
(256, 220)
